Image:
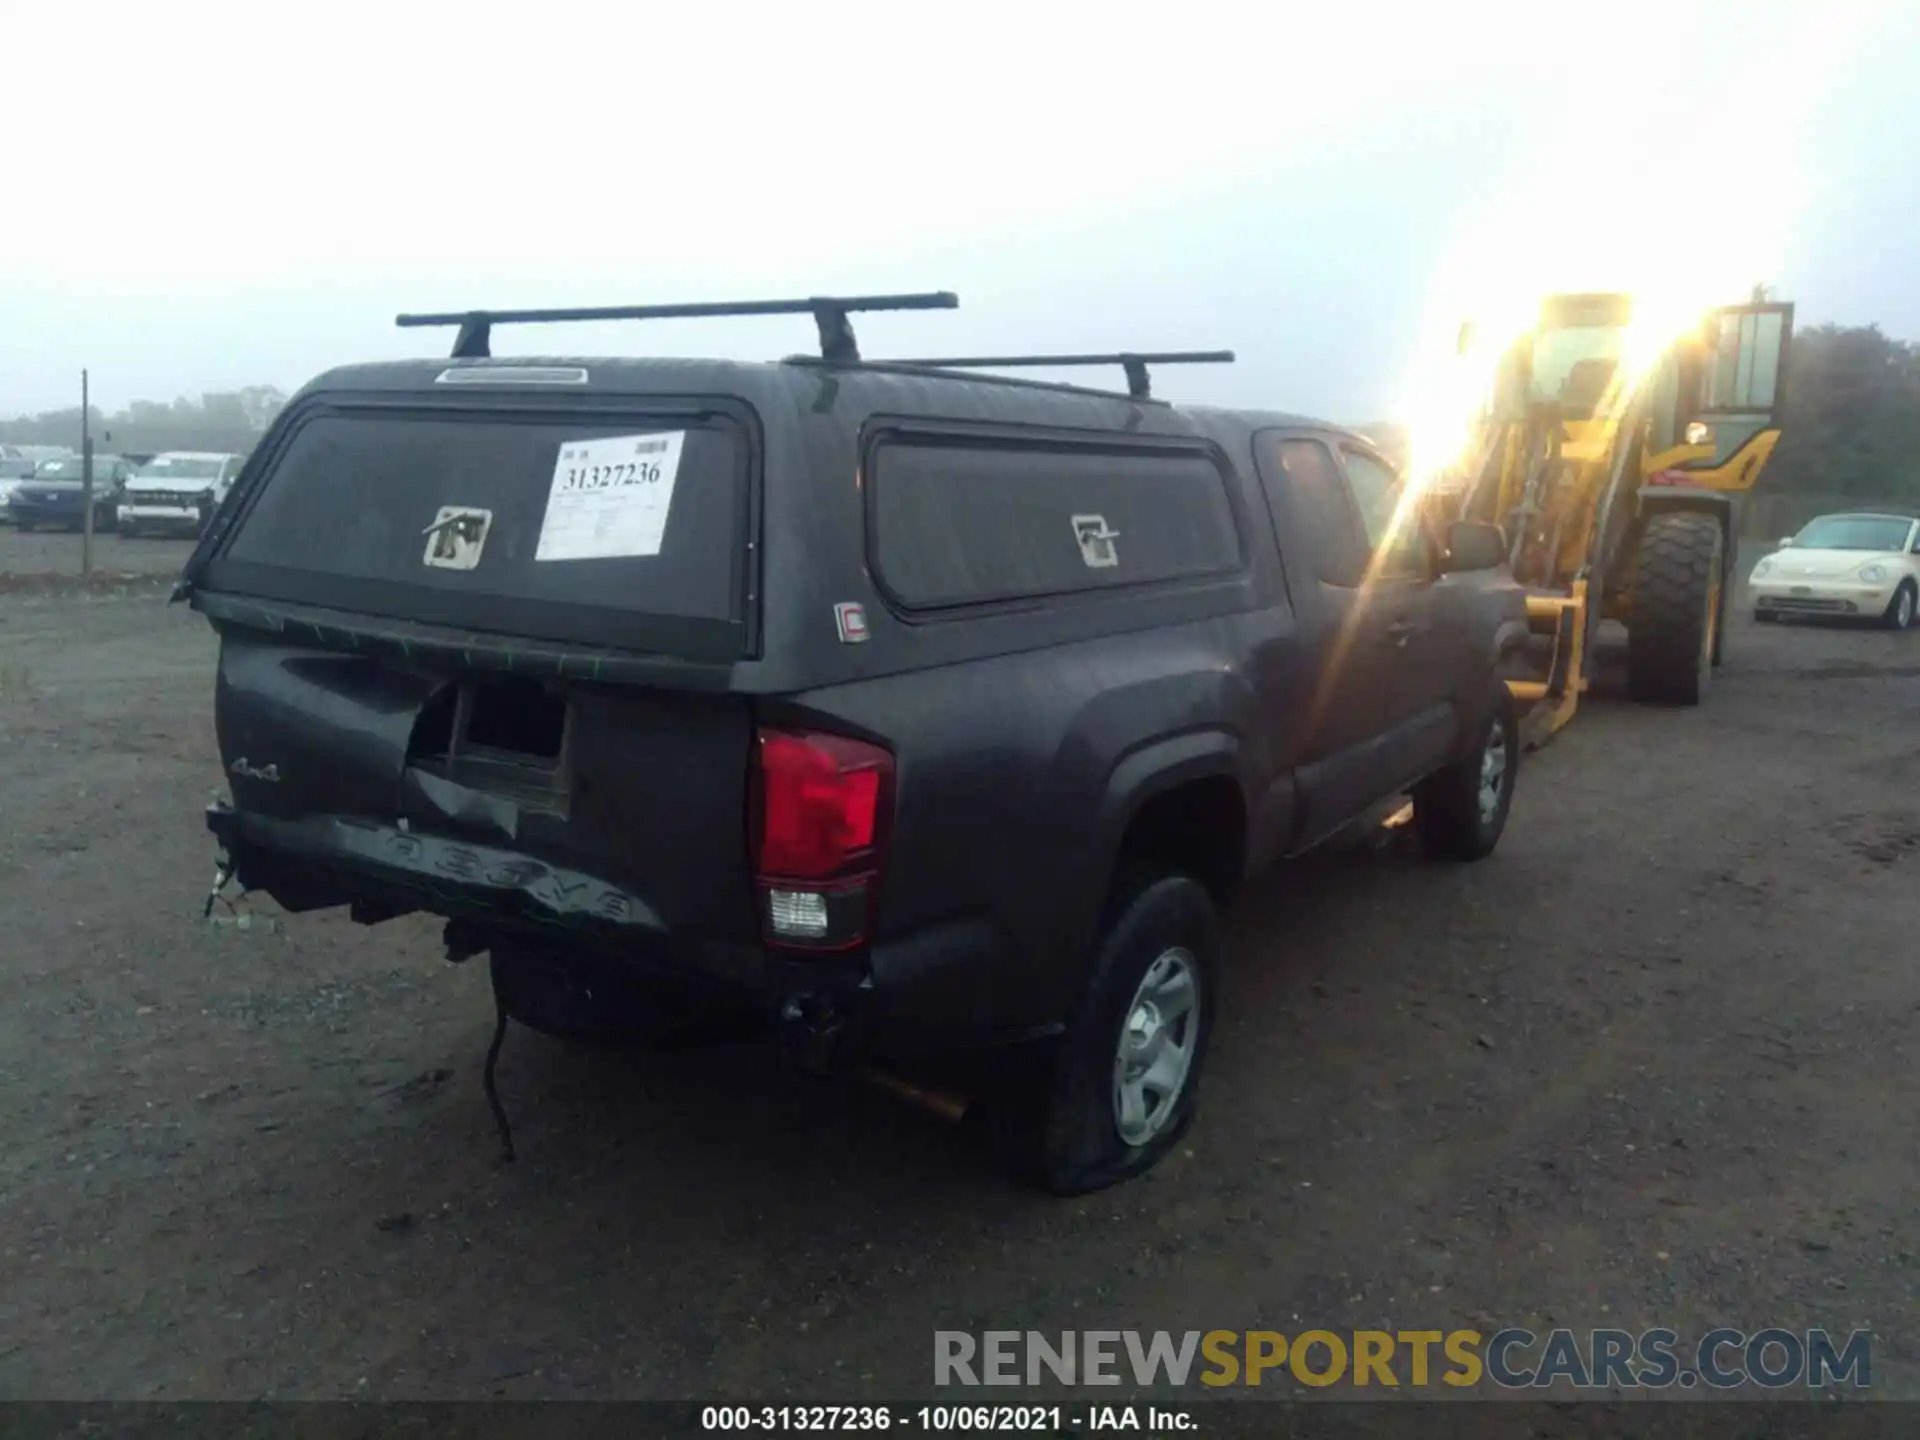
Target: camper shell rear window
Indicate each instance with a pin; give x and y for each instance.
(625, 527)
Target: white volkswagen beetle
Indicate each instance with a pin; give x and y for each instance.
(1841, 565)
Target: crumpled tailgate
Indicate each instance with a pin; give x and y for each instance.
(472, 791)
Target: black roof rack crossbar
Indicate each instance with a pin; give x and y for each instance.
(1139, 386)
(829, 313)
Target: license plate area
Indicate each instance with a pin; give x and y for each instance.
(507, 735)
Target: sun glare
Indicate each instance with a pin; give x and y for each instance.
(1643, 195)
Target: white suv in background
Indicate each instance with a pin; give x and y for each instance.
(178, 490)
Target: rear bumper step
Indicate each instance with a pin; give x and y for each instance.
(455, 870)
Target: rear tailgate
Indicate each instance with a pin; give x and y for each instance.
(475, 768)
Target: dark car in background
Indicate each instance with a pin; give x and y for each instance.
(13, 469)
(52, 496)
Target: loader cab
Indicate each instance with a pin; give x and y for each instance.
(1573, 357)
(1729, 388)
(1710, 402)
(1720, 384)
(1564, 368)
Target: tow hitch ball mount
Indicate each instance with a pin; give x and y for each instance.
(809, 1029)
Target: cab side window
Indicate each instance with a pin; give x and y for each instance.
(1377, 491)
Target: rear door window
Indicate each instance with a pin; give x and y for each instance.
(965, 521)
(1305, 472)
(484, 522)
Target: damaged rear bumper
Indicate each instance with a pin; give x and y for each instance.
(928, 992)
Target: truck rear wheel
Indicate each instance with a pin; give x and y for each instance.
(1673, 636)
(1118, 1090)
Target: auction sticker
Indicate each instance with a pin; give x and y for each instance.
(610, 497)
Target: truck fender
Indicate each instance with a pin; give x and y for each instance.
(1158, 766)
(1152, 769)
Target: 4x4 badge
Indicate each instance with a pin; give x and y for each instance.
(1096, 541)
(456, 537)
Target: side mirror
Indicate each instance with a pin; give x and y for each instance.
(1473, 545)
(1785, 541)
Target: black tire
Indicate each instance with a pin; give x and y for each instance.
(1900, 610)
(607, 1004)
(1454, 815)
(1677, 608)
(1058, 1116)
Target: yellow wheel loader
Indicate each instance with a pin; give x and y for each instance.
(1613, 474)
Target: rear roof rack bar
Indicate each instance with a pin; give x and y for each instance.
(1139, 384)
(829, 313)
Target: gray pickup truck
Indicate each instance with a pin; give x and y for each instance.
(918, 716)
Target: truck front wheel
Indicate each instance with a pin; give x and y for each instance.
(1461, 812)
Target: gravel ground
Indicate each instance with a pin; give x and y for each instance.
(1653, 1063)
(46, 553)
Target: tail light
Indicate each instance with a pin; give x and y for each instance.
(823, 806)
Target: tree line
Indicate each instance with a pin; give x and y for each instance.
(1852, 417)
(1851, 420)
(226, 421)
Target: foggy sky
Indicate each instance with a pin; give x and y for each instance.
(247, 197)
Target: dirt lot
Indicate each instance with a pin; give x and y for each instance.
(46, 552)
(1653, 1063)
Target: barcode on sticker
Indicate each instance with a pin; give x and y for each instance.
(649, 447)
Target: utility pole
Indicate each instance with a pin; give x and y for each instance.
(86, 481)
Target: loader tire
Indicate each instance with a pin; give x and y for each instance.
(1678, 607)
